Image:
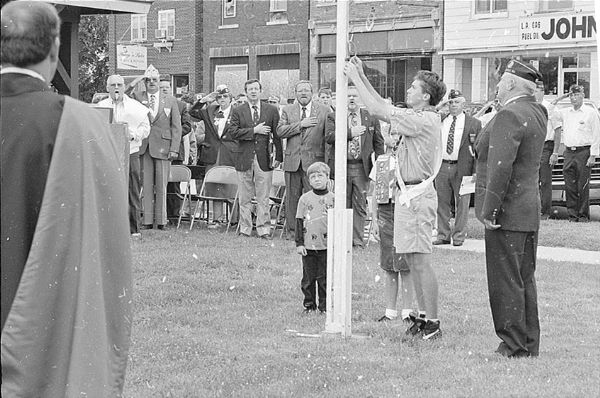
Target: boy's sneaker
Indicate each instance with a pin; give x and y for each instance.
(431, 330)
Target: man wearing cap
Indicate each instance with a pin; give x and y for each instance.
(508, 153)
(458, 135)
(552, 141)
(157, 151)
(303, 125)
(254, 126)
(219, 145)
(581, 136)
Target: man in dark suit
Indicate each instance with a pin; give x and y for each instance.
(159, 149)
(173, 188)
(364, 139)
(458, 135)
(303, 124)
(254, 126)
(507, 197)
(219, 145)
(66, 260)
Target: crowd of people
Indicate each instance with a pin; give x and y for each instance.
(64, 228)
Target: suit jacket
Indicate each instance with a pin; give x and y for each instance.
(466, 159)
(370, 142)
(508, 153)
(216, 150)
(305, 146)
(250, 144)
(165, 128)
(186, 126)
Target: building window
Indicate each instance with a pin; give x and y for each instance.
(229, 8)
(278, 12)
(166, 25)
(138, 27)
(554, 5)
(490, 6)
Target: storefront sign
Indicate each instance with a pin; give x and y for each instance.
(132, 57)
(557, 28)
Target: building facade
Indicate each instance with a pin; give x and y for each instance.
(166, 37)
(556, 36)
(265, 40)
(394, 38)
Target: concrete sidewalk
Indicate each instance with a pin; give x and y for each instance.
(543, 252)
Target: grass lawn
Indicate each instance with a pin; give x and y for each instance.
(214, 315)
(553, 233)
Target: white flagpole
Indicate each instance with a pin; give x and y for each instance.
(340, 233)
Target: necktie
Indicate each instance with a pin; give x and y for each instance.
(303, 112)
(450, 144)
(255, 114)
(218, 116)
(354, 145)
(152, 102)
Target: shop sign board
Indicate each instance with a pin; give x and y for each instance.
(557, 28)
(132, 57)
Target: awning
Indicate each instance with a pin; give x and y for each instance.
(106, 6)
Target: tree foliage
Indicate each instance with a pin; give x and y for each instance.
(93, 55)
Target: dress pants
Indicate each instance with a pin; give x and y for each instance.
(314, 275)
(154, 202)
(577, 183)
(546, 178)
(296, 184)
(357, 184)
(134, 193)
(255, 182)
(510, 258)
(447, 185)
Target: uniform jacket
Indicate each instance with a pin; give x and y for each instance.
(508, 153)
(371, 141)
(305, 146)
(466, 160)
(165, 128)
(215, 147)
(250, 144)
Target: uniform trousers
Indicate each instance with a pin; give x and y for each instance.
(577, 183)
(255, 182)
(510, 258)
(154, 182)
(447, 186)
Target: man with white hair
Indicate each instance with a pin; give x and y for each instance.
(508, 153)
(127, 110)
(157, 151)
(458, 134)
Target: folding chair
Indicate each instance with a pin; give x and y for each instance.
(220, 185)
(180, 173)
(277, 199)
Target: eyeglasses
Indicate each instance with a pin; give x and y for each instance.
(272, 102)
(222, 96)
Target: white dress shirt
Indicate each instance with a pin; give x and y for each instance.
(580, 128)
(220, 123)
(154, 110)
(135, 115)
(22, 71)
(459, 127)
(308, 109)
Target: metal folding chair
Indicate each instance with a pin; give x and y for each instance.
(179, 173)
(220, 185)
(277, 200)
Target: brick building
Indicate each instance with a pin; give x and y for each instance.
(395, 38)
(166, 37)
(268, 40)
